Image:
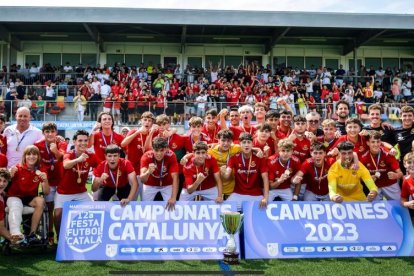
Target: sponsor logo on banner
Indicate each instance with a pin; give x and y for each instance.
(273, 249)
(85, 229)
(111, 250)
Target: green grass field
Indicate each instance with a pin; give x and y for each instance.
(37, 263)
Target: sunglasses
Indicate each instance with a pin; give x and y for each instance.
(313, 121)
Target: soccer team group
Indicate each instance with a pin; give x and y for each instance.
(222, 157)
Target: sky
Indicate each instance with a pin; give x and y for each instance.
(350, 6)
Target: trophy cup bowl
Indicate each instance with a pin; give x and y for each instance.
(231, 221)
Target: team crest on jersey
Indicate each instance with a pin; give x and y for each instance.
(173, 145)
(36, 179)
(382, 164)
(253, 164)
(86, 164)
(305, 147)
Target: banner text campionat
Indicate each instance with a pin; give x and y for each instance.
(142, 231)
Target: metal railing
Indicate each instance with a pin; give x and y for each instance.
(178, 111)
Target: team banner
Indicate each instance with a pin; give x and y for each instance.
(325, 229)
(67, 125)
(142, 231)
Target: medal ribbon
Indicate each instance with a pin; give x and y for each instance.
(244, 165)
(110, 139)
(113, 178)
(317, 175)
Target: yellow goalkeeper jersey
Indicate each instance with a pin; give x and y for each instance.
(347, 182)
(223, 159)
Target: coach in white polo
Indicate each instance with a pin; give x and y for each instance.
(20, 135)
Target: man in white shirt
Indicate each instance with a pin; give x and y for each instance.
(105, 90)
(201, 104)
(20, 135)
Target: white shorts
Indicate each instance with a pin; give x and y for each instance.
(51, 196)
(238, 198)
(60, 199)
(149, 192)
(392, 192)
(106, 109)
(209, 194)
(310, 196)
(284, 194)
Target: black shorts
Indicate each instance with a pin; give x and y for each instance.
(179, 108)
(105, 193)
(26, 200)
(131, 111)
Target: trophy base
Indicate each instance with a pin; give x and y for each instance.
(231, 258)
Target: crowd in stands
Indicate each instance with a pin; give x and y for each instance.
(180, 93)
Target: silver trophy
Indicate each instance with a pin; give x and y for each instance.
(231, 221)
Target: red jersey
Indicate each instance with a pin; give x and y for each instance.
(117, 102)
(407, 189)
(53, 167)
(108, 102)
(131, 101)
(115, 89)
(237, 130)
(248, 174)
(360, 147)
(25, 182)
(302, 148)
(382, 163)
(281, 134)
(233, 98)
(329, 145)
(69, 184)
(276, 169)
(3, 160)
(135, 149)
(160, 102)
(101, 141)
(189, 141)
(118, 177)
(270, 143)
(175, 141)
(209, 168)
(3, 144)
(316, 179)
(167, 166)
(2, 208)
(211, 133)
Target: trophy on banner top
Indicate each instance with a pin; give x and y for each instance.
(231, 221)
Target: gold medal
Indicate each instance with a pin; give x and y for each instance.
(287, 172)
(377, 174)
(79, 180)
(326, 144)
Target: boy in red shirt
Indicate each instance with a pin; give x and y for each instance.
(282, 167)
(407, 190)
(202, 176)
(383, 167)
(26, 176)
(115, 176)
(314, 172)
(302, 144)
(159, 173)
(76, 164)
(104, 135)
(251, 174)
(52, 148)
